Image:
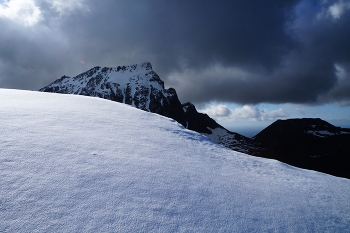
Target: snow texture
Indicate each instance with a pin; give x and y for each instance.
(325, 133)
(73, 163)
(229, 140)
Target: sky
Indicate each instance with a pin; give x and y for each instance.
(241, 62)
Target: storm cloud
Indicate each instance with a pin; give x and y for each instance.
(246, 52)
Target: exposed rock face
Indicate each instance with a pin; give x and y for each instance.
(307, 143)
(203, 124)
(198, 122)
(136, 85)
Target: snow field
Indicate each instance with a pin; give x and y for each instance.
(82, 164)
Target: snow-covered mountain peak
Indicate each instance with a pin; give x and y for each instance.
(145, 66)
(98, 77)
(136, 85)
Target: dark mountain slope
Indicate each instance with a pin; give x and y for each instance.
(203, 124)
(307, 143)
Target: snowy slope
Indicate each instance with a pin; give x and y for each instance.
(82, 164)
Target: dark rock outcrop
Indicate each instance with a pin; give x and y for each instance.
(203, 124)
(307, 143)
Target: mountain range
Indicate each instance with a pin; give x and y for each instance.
(307, 143)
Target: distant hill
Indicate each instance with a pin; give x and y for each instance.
(309, 143)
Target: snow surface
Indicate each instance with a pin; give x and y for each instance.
(325, 133)
(228, 139)
(82, 164)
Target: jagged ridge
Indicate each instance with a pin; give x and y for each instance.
(203, 124)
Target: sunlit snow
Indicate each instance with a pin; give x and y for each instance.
(82, 164)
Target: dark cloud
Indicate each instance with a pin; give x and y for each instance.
(232, 51)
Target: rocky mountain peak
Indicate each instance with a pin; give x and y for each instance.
(137, 85)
